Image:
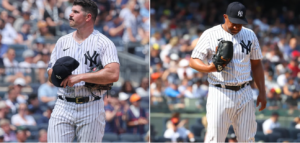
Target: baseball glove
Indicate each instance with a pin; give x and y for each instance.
(98, 86)
(223, 56)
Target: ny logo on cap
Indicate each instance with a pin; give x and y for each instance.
(240, 13)
(58, 77)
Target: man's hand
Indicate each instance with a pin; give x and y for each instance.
(71, 80)
(262, 100)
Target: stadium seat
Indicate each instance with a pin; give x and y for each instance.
(130, 137)
(283, 131)
(285, 140)
(273, 137)
(199, 139)
(43, 126)
(32, 128)
(260, 136)
(293, 124)
(162, 139)
(197, 129)
(294, 132)
(199, 121)
(110, 137)
(259, 125)
(37, 117)
(19, 49)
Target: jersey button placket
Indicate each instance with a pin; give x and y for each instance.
(234, 41)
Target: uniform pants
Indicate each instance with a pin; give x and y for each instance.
(85, 121)
(227, 107)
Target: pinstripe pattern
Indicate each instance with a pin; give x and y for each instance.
(95, 42)
(85, 121)
(227, 107)
(238, 70)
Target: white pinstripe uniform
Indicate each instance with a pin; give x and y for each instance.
(85, 121)
(228, 107)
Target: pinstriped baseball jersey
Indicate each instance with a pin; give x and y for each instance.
(85, 121)
(246, 47)
(88, 53)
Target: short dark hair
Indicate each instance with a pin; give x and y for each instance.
(88, 6)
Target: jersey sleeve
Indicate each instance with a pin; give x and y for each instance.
(255, 50)
(201, 50)
(53, 57)
(109, 52)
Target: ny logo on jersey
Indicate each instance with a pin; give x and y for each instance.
(240, 13)
(91, 59)
(246, 47)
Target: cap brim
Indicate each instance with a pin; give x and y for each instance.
(56, 82)
(238, 20)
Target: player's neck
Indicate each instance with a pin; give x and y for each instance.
(83, 32)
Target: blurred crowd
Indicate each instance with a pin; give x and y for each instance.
(175, 29)
(28, 32)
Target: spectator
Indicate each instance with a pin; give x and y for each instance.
(271, 123)
(9, 60)
(123, 98)
(19, 83)
(7, 5)
(143, 90)
(274, 99)
(292, 100)
(52, 16)
(297, 121)
(24, 33)
(21, 20)
(42, 136)
(115, 27)
(294, 67)
(47, 93)
(9, 34)
(22, 118)
(21, 134)
(43, 30)
(34, 107)
(127, 88)
(42, 65)
(4, 110)
(9, 135)
(282, 79)
(127, 11)
(113, 116)
(46, 116)
(136, 116)
(12, 102)
(176, 133)
(133, 24)
(1, 135)
(172, 91)
(270, 82)
(3, 47)
(27, 64)
(286, 87)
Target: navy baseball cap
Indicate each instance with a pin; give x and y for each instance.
(237, 13)
(62, 68)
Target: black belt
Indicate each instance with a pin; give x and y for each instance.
(235, 88)
(79, 100)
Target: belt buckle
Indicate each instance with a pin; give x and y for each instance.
(77, 102)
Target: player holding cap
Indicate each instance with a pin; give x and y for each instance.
(79, 110)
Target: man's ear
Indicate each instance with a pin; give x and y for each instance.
(88, 16)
